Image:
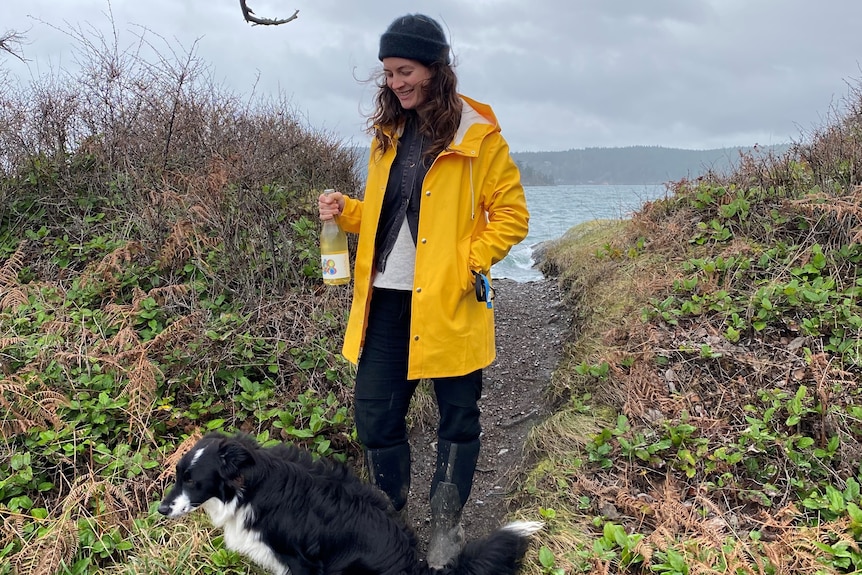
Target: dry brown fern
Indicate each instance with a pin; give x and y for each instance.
(60, 327)
(9, 428)
(125, 340)
(13, 297)
(7, 341)
(141, 391)
(645, 550)
(732, 560)
(9, 271)
(79, 359)
(110, 267)
(170, 463)
(49, 403)
(177, 331)
(49, 553)
(634, 506)
(165, 294)
(600, 567)
(177, 246)
(118, 313)
(11, 527)
(187, 240)
(122, 256)
(72, 331)
(25, 408)
(203, 215)
(671, 513)
(660, 539)
(138, 296)
(166, 197)
(648, 396)
(846, 209)
(582, 484)
(114, 508)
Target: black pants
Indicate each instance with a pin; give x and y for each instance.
(383, 391)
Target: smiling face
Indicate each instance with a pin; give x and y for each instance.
(407, 79)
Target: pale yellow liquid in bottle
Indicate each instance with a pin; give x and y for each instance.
(334, 257)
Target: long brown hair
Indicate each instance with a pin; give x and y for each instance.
(439, 114)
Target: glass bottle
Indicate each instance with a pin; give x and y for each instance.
(334, 257)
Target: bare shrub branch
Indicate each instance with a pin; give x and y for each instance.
(10, 42)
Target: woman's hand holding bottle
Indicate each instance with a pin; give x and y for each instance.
(330, 204)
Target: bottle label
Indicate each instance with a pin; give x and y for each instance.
(335, 266)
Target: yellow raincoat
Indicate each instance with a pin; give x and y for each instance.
(473, 211)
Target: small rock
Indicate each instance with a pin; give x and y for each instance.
(608, 510)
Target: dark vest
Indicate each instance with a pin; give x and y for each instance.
(403, 190)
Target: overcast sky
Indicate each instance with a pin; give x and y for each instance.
(560, 74)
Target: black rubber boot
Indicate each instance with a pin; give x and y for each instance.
(450, 489)
(389, 471)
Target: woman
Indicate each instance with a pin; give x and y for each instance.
(443, 202)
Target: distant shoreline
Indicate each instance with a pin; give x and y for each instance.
(626, 166)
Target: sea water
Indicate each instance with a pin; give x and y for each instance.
(556, 209)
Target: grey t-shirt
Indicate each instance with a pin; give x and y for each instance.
(400, 263)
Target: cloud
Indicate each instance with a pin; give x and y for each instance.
(559, 74)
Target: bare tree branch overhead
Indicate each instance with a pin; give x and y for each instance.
(249, 16)
(10, 42)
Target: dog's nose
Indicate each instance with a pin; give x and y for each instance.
(164, 509)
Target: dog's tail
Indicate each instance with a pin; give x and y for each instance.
(500, 553)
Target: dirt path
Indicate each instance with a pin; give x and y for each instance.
(531, 326)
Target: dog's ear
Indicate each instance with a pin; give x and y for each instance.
(234, 457)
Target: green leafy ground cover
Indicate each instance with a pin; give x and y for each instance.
(709, 404)
(159, 278)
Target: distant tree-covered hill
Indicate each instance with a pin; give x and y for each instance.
(629, 165)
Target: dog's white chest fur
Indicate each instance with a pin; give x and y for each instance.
(237, 537)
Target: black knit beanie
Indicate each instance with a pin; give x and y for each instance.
(415, 37)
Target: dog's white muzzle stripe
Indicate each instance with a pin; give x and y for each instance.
(181, 505)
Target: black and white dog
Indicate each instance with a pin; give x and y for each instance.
(292, 515)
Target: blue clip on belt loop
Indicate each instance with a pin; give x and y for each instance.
(484, 292)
